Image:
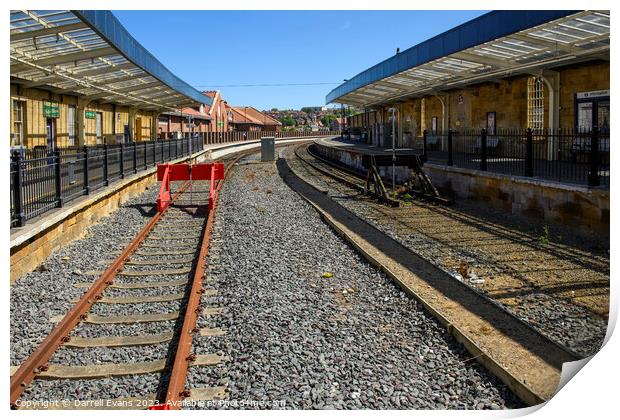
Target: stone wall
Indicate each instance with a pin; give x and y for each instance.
(585, 210)
(113, 119)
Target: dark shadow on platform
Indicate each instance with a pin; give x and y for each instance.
(452, 289)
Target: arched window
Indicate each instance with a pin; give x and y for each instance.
(535, 103)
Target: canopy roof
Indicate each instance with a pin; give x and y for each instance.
(494, 45)
(89, 53)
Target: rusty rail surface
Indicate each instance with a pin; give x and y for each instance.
(176, 391)
(37, 361)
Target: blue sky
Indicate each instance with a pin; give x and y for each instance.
(221, 49)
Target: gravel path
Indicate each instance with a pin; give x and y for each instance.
(353, 340)
(558, 285)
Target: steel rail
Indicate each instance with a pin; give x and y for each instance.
(356, 174)
(176, 391)
(360, 188)
(37, 361)
(531, 327)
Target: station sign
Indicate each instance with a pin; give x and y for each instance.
(51, 109)
(90, 114)
(593, 94)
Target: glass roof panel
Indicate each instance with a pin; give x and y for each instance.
(81, 61)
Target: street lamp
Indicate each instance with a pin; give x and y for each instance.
(393, 111)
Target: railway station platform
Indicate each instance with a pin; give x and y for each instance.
(577, 207)
(34, 242)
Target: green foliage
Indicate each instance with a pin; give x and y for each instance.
(328, 119)
(544, 238)
(287, 121)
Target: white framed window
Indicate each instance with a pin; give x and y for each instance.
(18, 123)
(71, 124)
(535, 103)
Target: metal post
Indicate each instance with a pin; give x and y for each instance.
(425, 146)
(594, 178)
(393, 150)
(190, 141)
(529, 149)
(450, 163)
(146, 165)
(483, 150)
(105, 164)
(86, 186)
(135, 157)
(122, 161)
(58, 178)
(17, 188)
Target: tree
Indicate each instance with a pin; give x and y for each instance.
(287, 121)
(328, 119)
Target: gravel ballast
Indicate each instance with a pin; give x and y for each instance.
(49, 290)
(556, 283)
(297, 335)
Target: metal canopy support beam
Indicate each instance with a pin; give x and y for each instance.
(20, 36)
(115, 80)
(482, 59)
(557, 46)
(106, 69)
(129, 89)
(68, 58)
(386, 83)
(42, 82)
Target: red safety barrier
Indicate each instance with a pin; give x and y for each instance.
(159, 407)
(167, 173)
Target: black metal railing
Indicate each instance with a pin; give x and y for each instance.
(45, 180)
(42, 180)
(566, 156)
(234, 136)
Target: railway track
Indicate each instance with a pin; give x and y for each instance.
(428, 274)
(153, 290)
(450, 239)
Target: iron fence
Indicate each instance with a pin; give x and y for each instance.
(567, 156)
(234, 136)
(41, 181)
